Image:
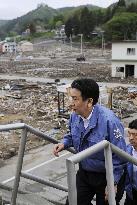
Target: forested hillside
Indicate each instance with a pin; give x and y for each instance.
(117, 22)
(43, 16)
(2, 22)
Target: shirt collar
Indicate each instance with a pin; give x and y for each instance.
(90, 115)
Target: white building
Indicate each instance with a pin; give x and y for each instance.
(25, 46)
(9, 47)
(124, 59)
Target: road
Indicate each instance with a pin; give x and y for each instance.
(62, 80)
(42, 163)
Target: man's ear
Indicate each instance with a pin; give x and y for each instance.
(90, 102)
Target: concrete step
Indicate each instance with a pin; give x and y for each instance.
(24, 199)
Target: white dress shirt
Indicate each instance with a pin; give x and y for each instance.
(87, 120)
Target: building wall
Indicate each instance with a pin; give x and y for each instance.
(26, 47)
(124, 50)
(9, 47)
(118, 64)
(5, 47)
(124, 59)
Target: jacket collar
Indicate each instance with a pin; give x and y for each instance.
(93, 119)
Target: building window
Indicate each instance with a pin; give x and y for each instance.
(130, 51)
(120, 69)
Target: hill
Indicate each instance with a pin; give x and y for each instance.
(39, 16)
(42, 15)
(73, 9)
(2, 22)
(131, 1)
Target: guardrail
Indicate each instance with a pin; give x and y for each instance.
(25, 129)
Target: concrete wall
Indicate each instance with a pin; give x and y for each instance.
(116, 64)
(119, 51)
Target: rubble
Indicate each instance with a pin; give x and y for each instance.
(36, 104)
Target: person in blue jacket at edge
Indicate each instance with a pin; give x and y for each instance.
(90, 123)
(131, 176)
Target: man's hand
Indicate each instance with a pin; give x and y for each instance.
(106, 193)
(58, 148)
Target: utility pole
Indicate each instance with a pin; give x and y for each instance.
(103, 42)
(81, 46)
(81, 43)
(71, 42)
(15, 46)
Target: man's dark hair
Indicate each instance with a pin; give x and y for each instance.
(88, 88)
(133, 124)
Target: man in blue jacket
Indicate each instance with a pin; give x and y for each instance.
(90, 123)
(131, 177)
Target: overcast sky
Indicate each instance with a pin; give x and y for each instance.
(10, 9)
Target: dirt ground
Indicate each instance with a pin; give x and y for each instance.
(36, 104)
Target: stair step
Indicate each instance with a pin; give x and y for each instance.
(24, 199)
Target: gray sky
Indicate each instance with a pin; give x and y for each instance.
(10, 9)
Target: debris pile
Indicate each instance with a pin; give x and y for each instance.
(36, 104)
(124, 102)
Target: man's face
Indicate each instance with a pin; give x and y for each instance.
(77, 104)
(132, 134)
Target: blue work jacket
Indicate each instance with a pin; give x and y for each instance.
(129, 175)
(103, 125)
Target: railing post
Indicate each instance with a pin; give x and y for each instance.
(71, 178)
(109, 175)
(19, 166)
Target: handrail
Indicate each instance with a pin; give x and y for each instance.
(25, 129)
(45, 137)
(12, 126)
(45, 182)
(108, 149)
(70, 162)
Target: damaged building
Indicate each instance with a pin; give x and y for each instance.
(124, 59)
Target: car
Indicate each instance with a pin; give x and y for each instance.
(81, 58)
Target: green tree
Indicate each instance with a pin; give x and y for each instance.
(75, 24)
(121, 3)
(99, 16)
(108, 14)
(58, 24)
(12, 34)
(86, 22)
(55, 19)
(69, 27)
(32, 28)
(122, 27)
(120, 7)
(132, 8)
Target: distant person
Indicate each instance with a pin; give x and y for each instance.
(131, 179)
(90, 123)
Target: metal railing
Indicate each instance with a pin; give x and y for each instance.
(25, 129)
(70, 162)
(108, 149)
